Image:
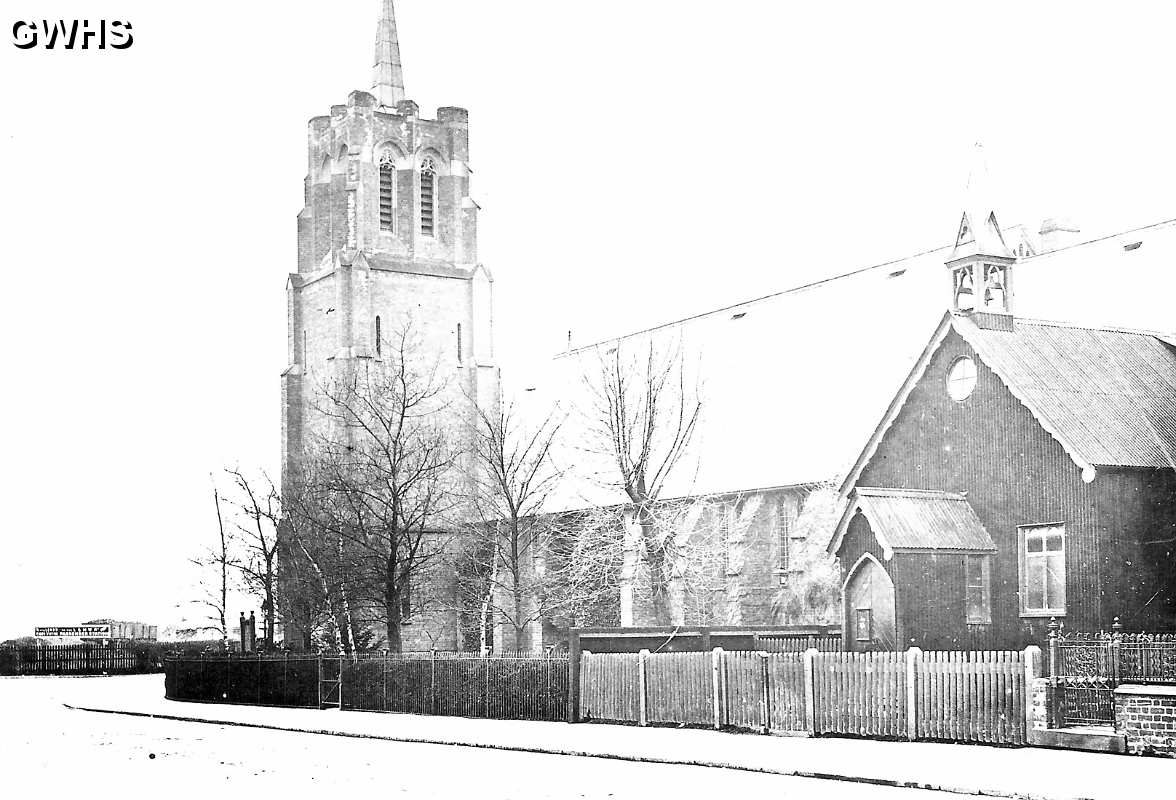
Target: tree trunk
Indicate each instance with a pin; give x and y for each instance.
(348, 621)
(394, 619)
(664, 611)
(269, 610)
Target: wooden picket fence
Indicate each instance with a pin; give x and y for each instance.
(977, 696)
(74, 659)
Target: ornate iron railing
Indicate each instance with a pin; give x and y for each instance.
(1086, 668)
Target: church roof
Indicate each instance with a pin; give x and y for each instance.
(1109, 393)
(911, 519)
(794, 383)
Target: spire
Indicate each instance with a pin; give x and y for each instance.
(979, 232)
(387, 75)
(981, 263)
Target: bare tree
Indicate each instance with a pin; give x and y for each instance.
(585, 563)
(389, 478)
(311, 581)
(216, 562)
(256, 536)
(642, 419)
(514, 474)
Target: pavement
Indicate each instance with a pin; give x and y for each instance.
(1030, 772)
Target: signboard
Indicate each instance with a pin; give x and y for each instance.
(75, 632)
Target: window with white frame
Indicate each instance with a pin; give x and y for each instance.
(1043, 569)
(978, 597)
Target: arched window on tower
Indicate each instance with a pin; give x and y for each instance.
(428, 191)
(459, 354)
(379, 338)
(388, 192)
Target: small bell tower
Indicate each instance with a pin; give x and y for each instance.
(981, 263)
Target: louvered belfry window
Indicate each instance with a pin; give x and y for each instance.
(428, 191)
(387, 193)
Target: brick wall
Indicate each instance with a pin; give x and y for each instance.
(1146, 715)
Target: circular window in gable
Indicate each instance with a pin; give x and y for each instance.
(961, 378)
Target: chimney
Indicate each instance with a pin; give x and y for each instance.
(1058, 233)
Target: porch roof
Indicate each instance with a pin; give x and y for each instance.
(916, 519)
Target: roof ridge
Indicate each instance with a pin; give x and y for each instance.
(1055, 323)
(882, 490)
(1103, 238)
(861, 271)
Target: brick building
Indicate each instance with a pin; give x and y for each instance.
(387, 244)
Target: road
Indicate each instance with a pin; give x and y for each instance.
(60, 752)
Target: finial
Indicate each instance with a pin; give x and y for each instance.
(1117, 627)
(387, 74)
(1054, 627)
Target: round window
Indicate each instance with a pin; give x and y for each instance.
(961, 378)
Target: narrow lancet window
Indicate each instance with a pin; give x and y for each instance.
(428, 189)
(379, 339)
(459, 343)
(387, 192)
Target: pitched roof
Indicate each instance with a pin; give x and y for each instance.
(911, 519)
(1108, 394)
(794, 382)
(979, 234)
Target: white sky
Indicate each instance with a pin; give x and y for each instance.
(635, 161)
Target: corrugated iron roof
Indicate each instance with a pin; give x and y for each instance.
(1109, 395)
(908, 519)
(794, 386)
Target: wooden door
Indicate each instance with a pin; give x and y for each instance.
(869, 608)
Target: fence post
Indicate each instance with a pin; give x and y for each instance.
(716, 665)
(914, 656)
(1116, 649)
(486, 694)
(320, 678)
(642, 701)
(1055, 664)
(1032, 673)
(340, 681)
(765, 699)
(433, 682)
(573, 676)
(385, 665)
(810, 691)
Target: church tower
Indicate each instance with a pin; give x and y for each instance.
(387, 242)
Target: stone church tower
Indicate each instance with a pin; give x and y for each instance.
(387, 240)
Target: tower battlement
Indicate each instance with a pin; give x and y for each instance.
(387, 242)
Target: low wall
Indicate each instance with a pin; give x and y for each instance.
(1146, 715)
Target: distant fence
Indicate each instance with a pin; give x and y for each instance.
(949, 696)
(668, 639)
(75, 659)
(444, 684)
